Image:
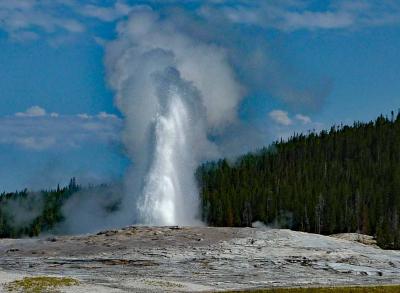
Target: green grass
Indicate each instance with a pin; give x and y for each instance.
(355, 289)
(40, 284)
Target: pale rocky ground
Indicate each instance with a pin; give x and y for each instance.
(142, 259)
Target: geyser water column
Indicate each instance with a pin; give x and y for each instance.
(170, 195)
(173, 91)
(164, 190)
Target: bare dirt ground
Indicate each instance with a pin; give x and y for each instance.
(143, 259)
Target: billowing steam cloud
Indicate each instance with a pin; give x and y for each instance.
(173, 91)
(180, 76)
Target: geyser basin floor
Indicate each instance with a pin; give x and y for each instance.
(198, 259)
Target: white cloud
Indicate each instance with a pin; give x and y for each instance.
(34, 111)
(84, 116)
(104, 115)
(286, 126)
(303, 118)
(297, 15)
(35, 130)
(25, 20)
(35, 143)
(108, 14)
(280, 117)
(317, 20)
(21, 4)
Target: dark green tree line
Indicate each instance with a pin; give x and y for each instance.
(30, 213)
(346, 179)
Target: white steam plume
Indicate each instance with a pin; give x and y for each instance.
(173, 91)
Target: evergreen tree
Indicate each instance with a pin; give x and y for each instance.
(346, 179)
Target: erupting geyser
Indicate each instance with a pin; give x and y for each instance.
(170, 194)
(173, 91)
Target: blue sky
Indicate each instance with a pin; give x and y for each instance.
(324, 63)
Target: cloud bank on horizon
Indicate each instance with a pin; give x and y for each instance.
(37, 130)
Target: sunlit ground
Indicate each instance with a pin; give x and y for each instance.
(367, 289)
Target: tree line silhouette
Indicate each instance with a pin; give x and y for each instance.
(24, 213)
(346, 179)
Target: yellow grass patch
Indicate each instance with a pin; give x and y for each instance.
(39, 284)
